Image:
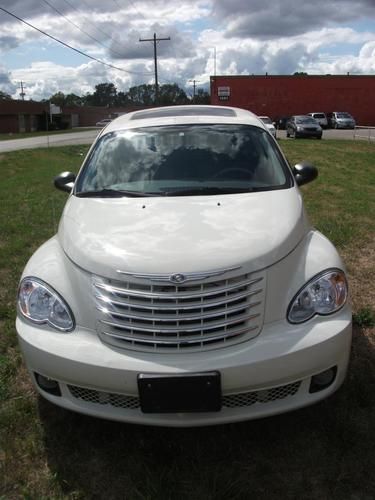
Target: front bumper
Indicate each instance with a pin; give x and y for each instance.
(307, 133)
(264, 376)
(345, 125)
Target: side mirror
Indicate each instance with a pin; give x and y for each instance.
(304, 172)
(65, 181)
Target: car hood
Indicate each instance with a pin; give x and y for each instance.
(182, 234)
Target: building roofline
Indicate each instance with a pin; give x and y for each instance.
(292, 76)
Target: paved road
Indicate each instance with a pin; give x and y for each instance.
(88, 137)
(340, 134)
(46, 141)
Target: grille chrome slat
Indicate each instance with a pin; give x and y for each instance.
(209, 326)
(174, 296)
(169, 307)
(143, 315)
(184, 317)
(181, 340)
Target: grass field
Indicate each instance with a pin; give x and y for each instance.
(321, 452)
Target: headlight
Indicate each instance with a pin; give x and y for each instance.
(39, 303)
(324, 294)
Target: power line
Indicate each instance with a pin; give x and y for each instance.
(86, 19)
(69, 46)
(76, 26)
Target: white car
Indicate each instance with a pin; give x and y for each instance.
(185, 285)
(269, 124)
(321, 118)
(103, 123)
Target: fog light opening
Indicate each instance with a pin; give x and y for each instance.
(323, 380)
(48, 384)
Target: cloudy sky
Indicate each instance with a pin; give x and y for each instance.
(227, 36)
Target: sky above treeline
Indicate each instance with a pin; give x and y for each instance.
(235, 37)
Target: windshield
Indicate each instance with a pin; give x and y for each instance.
(187, 159)
(319, 115)
(343, 115)
(305, 119)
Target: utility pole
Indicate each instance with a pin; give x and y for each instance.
(22, 93)
(194, 86)
(154, 40)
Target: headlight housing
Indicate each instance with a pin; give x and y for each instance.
(324, 294)
(41, 304)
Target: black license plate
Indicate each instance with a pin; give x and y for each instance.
(197, 392)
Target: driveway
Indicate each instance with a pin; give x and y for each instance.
(339, 134)
(87, 137)
(46, 141)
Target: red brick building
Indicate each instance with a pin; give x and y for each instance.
(22, 116)
(286, 95)
(29, 116)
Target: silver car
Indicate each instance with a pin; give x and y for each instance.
(341, 119)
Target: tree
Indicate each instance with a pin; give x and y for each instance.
(142, 95)
(73, 100)
(201, 97)
(300, 73)
(4, 96)
(170, 94)
(58, 99)
(122, 99)
(105, 95)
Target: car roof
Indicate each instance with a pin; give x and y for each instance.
(180, 115)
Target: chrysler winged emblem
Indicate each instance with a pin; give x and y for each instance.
(179, 278)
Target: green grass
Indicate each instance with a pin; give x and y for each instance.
(344, 192)
(322, 452)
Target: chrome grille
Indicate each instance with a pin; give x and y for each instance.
(143, 315)
(240, 400)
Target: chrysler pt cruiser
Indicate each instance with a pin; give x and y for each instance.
(185, 285)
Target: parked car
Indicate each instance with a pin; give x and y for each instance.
(341, 119)
(185, 285)
(103, 122)
(321, 118)
(269, 124)
(303, 126)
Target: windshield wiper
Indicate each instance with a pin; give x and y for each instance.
(211, 191)
(114, 193)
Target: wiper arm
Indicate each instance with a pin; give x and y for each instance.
(114, 193)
